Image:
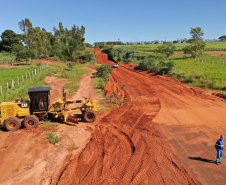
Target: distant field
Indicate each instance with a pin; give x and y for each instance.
(201, 74)
(7, 58)
(210, 46)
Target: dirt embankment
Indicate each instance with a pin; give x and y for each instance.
(127, 147)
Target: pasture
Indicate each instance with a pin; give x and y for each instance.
(7, 58)
(210, 46)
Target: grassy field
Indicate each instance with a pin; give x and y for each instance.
(7, 74)
(7, 58)
(200, 74)
(205, 71)
(210, 46)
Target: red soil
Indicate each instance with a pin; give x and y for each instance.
(129, 146)
(164, 134)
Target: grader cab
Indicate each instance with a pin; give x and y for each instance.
(29, 112)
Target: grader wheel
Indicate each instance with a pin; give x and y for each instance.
(12, 123)
(31, 121)
(89, 116)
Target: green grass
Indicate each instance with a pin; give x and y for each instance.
(52, 138)
(200, 74)
(7, 74)
(210, 46)
(22, 89)
(7, 58)
(49, 125)
(73, 76)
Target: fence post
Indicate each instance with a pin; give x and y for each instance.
(18, 80)
(26, 76)
(13, 83)
(1, 89)
(223, 62)
(35, 71)
(29, 74)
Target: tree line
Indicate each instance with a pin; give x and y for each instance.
(36, 42)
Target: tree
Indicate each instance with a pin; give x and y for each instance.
(10, 40)
(196, 33)
(26, 54)
(197, 44)
(222, 38)
(25, 25)
(166, 49)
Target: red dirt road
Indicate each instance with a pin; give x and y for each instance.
(129, 146)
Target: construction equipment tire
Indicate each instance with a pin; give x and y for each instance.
(12, 123)
(31, 121)
(89, 116)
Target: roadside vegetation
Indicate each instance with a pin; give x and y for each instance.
(73, 75)
(102, 75)
(156, 63)
(7, 58)
(194, 67)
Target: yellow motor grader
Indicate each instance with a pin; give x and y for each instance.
(29, 112)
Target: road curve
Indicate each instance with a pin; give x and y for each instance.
(128, 145)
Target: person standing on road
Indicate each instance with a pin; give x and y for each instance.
(220, 147)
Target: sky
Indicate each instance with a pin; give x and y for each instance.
(124, 20)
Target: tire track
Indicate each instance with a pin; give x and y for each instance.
(126, 146)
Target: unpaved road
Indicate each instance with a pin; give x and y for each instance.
(128, 145)
(164, 134)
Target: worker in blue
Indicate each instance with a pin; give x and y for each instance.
(220, 147)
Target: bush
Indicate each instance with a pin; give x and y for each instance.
(52, 138)
(71, 65)
(147, 64)
(119, 54)
(103, 71)
(154, 65)
(86, 56)
(99, 83)
(102, 75)
(166, 49)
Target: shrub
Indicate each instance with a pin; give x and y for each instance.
(52, 138)
(103, 71)
(154, 65)
(102, 75)
(166, 49)
(71, 65)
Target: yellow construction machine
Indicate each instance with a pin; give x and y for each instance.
(29, 112)
(59, 110)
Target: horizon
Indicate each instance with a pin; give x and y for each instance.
(127, 21)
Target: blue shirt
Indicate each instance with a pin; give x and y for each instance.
(219, 144)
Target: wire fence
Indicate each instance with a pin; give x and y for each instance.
(12, 84)
(218, 62)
